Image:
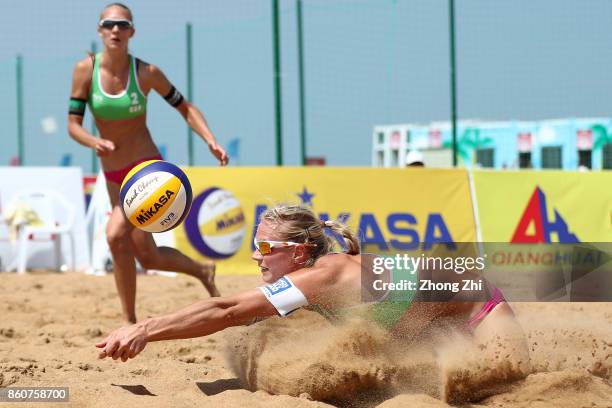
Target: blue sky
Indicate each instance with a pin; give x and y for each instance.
(368, 62)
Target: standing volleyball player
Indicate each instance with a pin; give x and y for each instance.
(116, 85)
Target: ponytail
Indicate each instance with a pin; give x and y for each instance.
(340, 230)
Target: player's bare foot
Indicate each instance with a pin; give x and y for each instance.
(207, 277)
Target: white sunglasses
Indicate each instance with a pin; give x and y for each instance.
(109, 23)
(265, 247)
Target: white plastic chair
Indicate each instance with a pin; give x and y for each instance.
(57, 216)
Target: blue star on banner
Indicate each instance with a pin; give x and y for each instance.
(305, 196)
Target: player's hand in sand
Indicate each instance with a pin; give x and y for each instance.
(124, 343)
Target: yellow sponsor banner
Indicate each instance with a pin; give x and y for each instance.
(544, 206)
(392, 209)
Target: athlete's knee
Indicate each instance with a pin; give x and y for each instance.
(117, 240)
(118, 231)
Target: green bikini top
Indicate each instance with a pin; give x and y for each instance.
(128, 104)
(385, 312)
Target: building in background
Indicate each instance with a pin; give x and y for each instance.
(568, 144)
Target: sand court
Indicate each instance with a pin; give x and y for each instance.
(51, 321)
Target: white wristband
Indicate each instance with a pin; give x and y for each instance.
(284, 295)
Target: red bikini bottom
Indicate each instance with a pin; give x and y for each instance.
(117, 176)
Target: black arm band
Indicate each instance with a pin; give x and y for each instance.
(77, 106)
(174, 97)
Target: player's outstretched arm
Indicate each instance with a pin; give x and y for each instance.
(199, 319)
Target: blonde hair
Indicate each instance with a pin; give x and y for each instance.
(120, 5)
(298, 223)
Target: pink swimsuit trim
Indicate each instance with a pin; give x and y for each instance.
(496, 298)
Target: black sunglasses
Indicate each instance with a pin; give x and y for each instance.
(122, 24)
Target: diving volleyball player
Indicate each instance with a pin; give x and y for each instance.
(293, 253)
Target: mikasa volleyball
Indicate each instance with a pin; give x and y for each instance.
(156, 196)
